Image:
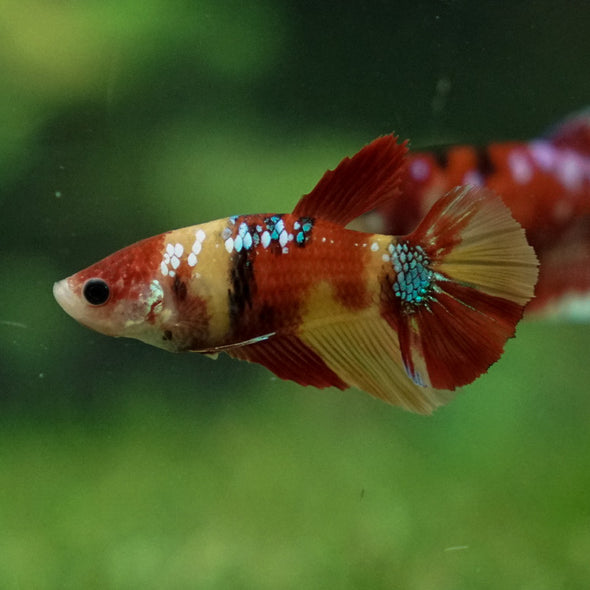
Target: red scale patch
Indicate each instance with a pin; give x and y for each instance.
(128, 269)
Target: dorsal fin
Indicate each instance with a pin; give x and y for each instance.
(358, 184)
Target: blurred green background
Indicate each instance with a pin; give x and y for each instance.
(123, 466)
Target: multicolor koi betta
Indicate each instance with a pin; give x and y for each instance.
(545, 183)
(407, 319)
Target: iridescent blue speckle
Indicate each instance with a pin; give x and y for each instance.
(304, 224)
(272, 233)
(414, 278)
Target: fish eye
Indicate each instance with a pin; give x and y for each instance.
(96, 292)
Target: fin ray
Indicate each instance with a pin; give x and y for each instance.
(358, 184)
(484, 273)
(364, 352)
(289, 358)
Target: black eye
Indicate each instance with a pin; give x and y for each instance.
(96, 292)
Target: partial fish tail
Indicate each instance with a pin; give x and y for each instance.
(458, 287)
(573, 132)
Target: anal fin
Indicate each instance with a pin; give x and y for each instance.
(363, 350)
(354, 350)
(290, 358)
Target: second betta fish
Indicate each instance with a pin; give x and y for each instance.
(407, 319)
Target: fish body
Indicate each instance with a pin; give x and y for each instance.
(546, 184)
(407, 319)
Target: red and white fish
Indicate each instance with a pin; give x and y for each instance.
(406, 319)
(545, 183)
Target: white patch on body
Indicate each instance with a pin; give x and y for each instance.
(520, 166)
(474, 178)
(419, 169)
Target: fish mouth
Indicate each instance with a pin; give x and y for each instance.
(76, 307)
(70, 303)
(64, 296)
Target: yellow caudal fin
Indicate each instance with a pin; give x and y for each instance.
(475, 273)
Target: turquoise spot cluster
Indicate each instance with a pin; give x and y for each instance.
(274, 226)
(271, 231)
(303, 228)
(414, 278)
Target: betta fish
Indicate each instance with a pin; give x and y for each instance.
(545, 183)
(407, 319)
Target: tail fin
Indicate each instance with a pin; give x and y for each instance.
(460, 299)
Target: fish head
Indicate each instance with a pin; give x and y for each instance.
(120, 295)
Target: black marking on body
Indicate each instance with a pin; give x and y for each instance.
(179, 288)
(485, 166)
(242, 285)
(441, 156)
(266, 318)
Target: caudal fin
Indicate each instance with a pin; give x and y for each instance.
(459, 287)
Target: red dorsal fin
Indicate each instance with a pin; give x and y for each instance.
(358, 184)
